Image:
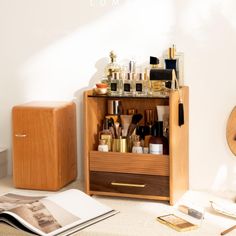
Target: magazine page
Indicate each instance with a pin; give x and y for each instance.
(10, 200)
(80, 205)
(58, 213)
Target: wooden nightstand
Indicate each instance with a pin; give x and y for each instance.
(44, 145)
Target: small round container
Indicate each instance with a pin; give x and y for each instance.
(101, 89)
(102, 147)
(137, 147)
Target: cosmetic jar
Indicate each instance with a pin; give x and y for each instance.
(113, 107)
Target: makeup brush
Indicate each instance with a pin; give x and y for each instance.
(135, 119)
(112, 131)
(117, 125)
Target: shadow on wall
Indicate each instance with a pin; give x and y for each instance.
(27, 28)
(207, 35)
(100, 65)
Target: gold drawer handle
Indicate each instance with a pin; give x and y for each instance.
(128, 185)
(20, 135)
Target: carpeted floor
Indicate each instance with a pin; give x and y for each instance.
(138, 217)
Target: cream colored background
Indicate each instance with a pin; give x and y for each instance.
(54, 49)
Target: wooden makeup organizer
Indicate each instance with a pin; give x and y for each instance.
(147, 176)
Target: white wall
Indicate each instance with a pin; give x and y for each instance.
(54, 49)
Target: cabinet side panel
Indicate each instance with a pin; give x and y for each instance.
(35, 165)
(179, 152)
(65, 128)
(94, 111)
(86, 148)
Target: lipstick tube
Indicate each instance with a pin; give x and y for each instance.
(190, 211)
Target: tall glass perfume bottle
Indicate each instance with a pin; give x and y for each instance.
(159, 79)
(128, 84)
(175, 60)
(115, 85)
(112, 66)
(140, 85)
(154, 86)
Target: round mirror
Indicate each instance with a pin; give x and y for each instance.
(231, 131)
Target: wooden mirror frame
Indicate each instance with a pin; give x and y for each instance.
(231, 131)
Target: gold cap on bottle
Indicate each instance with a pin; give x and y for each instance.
(112, 56)
(171, 52)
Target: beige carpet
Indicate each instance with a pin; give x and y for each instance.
(6, 230)
(138, 217)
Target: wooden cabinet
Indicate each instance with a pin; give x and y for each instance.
(148, 176)
(44, 145)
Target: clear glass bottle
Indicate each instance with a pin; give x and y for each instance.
(175, 60)
(105, 133)
(158, 144)
(112, 66)
(140, 85)
(115, 85)
(151, 85)
(158, 79)
(128, 84)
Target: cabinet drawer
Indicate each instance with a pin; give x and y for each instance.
(132, 163)
(129, 183)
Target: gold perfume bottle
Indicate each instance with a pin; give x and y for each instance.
(112, 67)
(158, 79)
(154, 86)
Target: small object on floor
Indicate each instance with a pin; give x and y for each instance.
(228, 230)
(190, 211)
(227, 209)
(176, 222)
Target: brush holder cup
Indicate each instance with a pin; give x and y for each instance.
(119, 145)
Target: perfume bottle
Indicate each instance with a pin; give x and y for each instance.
(153, 86)
(158, 79)
(112, 67)
(115, 84)
(128, 84)
(140, 85)
(105, 134)
(158, 144)
(175, 61)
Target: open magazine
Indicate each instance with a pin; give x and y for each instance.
(61, 214)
